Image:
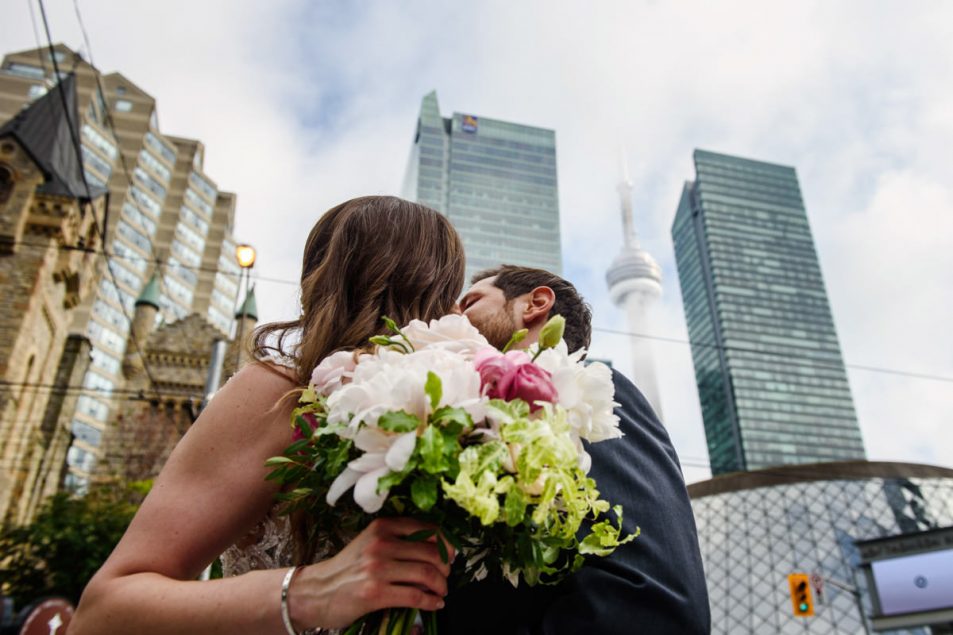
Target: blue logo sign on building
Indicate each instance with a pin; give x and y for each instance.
(470, 123)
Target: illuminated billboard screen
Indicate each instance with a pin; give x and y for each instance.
(470, 123)
(921, 582)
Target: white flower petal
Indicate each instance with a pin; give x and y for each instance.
(367, 462)
(365, 491)
(341, 484)
(400, 451)
(372, 440)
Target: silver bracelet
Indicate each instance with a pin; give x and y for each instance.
(285, 585)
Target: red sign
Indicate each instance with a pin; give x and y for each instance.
(47, 617)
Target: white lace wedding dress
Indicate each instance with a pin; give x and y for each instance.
(270, 546)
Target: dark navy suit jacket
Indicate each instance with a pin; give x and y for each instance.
(654, 584)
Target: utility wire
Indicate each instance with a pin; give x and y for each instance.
(36, 36)
(74, 137)
(813, 360)
(671, 340)
(137, 258)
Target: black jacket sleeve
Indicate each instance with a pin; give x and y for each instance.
(654, 584)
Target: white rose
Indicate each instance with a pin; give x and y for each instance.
(330, 374)
(392, 381)
(451, 332)
(383, 452)
(586, 392)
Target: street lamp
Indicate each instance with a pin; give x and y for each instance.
(245, 256)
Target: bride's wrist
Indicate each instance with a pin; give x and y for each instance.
(288, 614)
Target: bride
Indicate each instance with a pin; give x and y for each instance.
(365, 258)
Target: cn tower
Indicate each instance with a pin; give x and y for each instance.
(635, 285)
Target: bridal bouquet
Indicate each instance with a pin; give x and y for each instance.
(486, 444)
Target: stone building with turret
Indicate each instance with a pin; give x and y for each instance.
(165, 213)
(49, 230)
(164, 404)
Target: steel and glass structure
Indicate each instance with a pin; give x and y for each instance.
(757, 528)
(494, 180)
(768, 366)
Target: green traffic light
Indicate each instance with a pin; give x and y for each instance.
(802, 607)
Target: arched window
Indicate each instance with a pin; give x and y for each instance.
(6, 183)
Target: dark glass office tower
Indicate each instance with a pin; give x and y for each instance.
(494, 180)
(768, 365)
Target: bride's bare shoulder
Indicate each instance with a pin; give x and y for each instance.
(259, 392)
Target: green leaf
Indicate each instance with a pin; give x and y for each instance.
(399, 421)
(434, 389)
(308, 395)
(390, 480)
(420, 536)
(423, 491)
(304, 425)
(277, 460)
(453, 420)
(430, 448)
(442, 548)
(514, 506)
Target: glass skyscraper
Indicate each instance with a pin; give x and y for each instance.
(770, 375)
(494, 180)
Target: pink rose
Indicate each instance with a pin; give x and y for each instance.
(513, 376)
(493, 365)
(332, 371)
(528, 382)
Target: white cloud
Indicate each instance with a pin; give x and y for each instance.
(302, 105)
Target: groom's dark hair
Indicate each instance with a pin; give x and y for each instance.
(514, 281)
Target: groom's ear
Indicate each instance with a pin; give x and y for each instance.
(539, 302)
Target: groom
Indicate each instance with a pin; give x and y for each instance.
(654, 584)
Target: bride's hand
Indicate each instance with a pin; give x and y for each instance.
(377, 570)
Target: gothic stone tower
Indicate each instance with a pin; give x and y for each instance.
(48, 238)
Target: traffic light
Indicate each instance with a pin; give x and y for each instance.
(801, 598)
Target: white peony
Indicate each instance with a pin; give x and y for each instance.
(451, 332)
(383, 452)
(390, 381)
(586, 392)
(331, 373)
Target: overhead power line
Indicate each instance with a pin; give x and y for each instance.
(754, 351)
(74, 139)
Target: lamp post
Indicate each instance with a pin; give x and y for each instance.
(245, 256)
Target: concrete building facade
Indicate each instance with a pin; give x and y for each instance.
(165, 215)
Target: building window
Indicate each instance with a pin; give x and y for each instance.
(6, 184)
(164, 151)
(26, 70)
(123, 105)
(36, 90)
(87, 433)
(79, 485)
(81, 459)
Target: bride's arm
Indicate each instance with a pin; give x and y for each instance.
(210, 493)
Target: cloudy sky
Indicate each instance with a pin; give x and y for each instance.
(304, 104)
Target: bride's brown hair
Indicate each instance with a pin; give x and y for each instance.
(367, 258)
